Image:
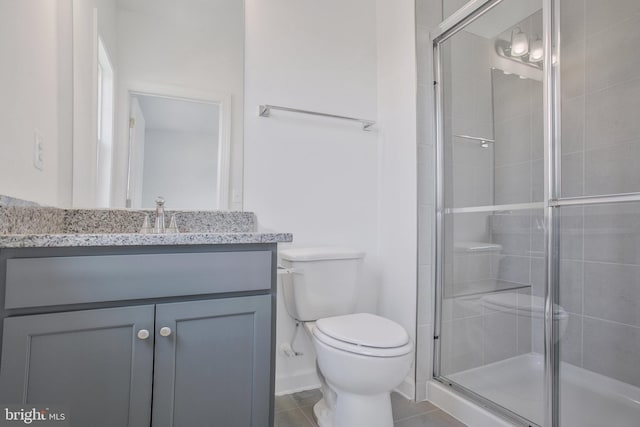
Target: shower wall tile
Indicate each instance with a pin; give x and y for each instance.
(608, 59)
(612, 349)
(426, 189)
(537, 233)
(537, 180)
(571, 233)
(513, 140)
(500, 336)
(424, 352)
(513, 183)
(613, 170)
(462, 344)
(514, 243)
(572, 70)
(424, 112)
(571, 174)
(514, 269)
(425, 241)
(612, 292)
(537, 132)
(524, 323)
(425, 294)
(571, 341)
(572, 21)
(612, 233)
(571, 286)
(572, 138)
(611, 114)
(537, 335)
(462, 307)
(538, 277)
(600, 15)
(510, 97)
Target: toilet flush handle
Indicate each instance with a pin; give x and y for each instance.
(165, 331)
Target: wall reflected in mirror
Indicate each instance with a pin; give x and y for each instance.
(192, 49)
(174, 152)
(73, 65)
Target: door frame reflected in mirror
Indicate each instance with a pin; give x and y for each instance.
(221, 100)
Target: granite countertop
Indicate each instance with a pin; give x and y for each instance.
(27, 225)
(137, 239)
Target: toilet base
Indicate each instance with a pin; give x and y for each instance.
(355, 411)
(322, 414)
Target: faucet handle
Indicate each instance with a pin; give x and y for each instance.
(159, 201)
(173, 225)
(146, 226)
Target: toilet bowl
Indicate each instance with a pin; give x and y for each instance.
(360, 357)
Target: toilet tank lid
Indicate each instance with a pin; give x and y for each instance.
(320, 253)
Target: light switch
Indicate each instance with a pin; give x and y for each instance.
(38, 150)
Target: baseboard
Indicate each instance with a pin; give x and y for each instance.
(407, 388)
(464, 410)
(296, 383)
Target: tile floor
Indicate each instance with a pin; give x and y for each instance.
(296, 410)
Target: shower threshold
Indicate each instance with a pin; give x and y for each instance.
(587, 399)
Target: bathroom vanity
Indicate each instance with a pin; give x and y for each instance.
(141, 330)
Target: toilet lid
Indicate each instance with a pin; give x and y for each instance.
(364, 329)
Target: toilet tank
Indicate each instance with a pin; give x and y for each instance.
(321, 282)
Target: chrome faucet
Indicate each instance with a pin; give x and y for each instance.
(159, 228)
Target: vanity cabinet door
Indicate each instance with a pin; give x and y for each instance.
(91, 362)
(213, 364)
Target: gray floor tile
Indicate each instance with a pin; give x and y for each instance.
(307, 397)
(436, 418)
(284, 403)
(292, 418)
(405, 408)
(308, 412)
(296, 410)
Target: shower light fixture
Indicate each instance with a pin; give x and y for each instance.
(536, 54)
(519, 43)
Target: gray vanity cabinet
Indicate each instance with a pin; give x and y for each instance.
(212, 369)
(207, 359)
(89, 361)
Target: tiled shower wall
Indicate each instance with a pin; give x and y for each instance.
(600, 245)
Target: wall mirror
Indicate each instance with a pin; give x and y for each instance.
(158, 90)
(105, 101)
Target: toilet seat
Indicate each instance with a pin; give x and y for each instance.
(364, 334)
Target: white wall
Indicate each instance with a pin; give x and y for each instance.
(316, 178)
(33, 97)
(398, 164)
(187, 55)
(192, 159)
(90, 18)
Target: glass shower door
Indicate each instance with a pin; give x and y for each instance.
(492, 235)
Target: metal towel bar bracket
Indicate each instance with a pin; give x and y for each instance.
(265, 111)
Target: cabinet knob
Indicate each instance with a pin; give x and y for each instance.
(165, 331)
(143, 334)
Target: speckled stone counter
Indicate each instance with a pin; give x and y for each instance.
(26, 225)
(136, 239)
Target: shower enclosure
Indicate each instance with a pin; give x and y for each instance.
(538, 209)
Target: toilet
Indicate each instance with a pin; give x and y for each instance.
(360, 357)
